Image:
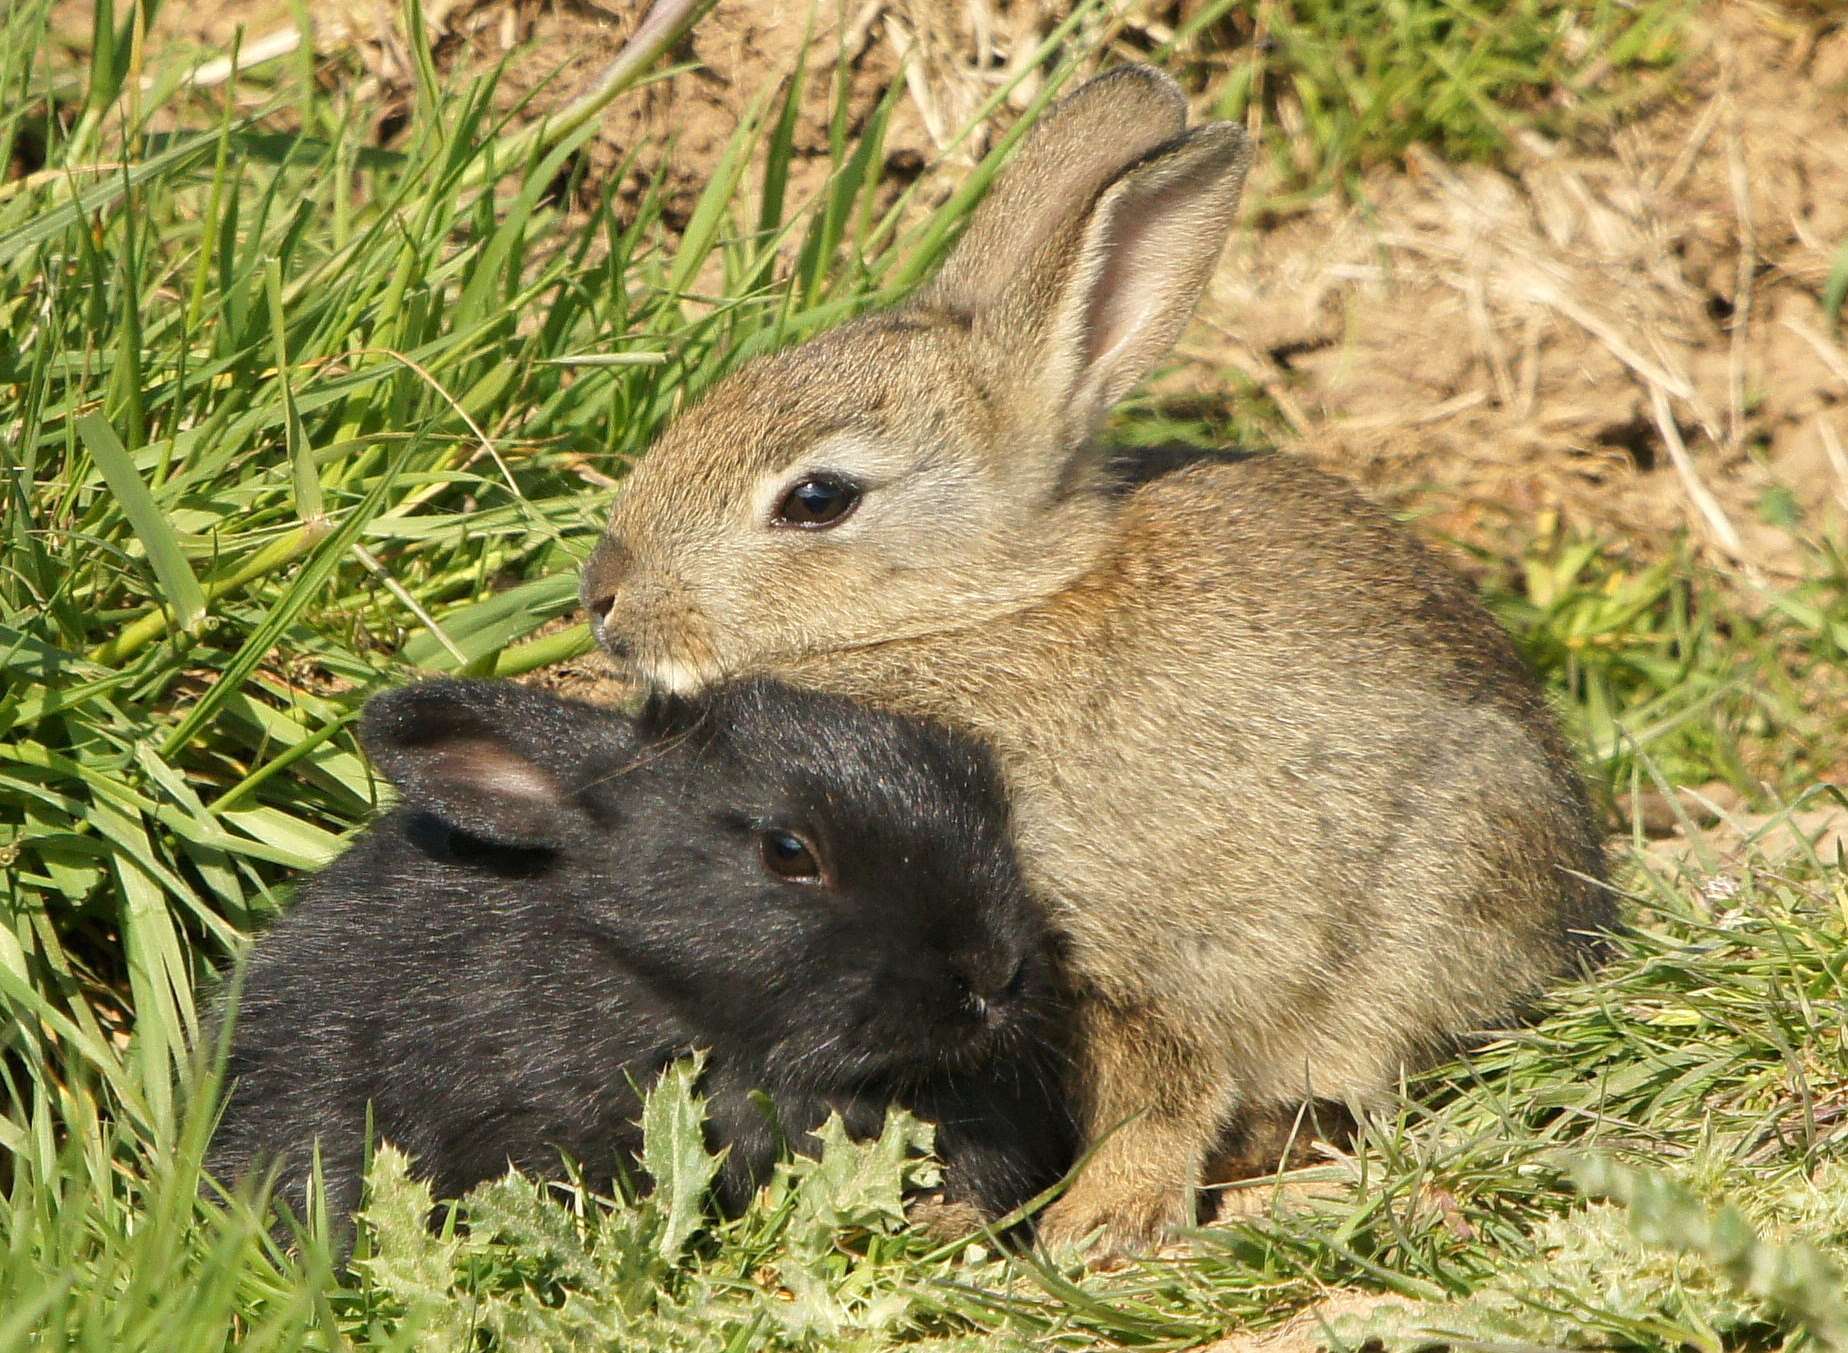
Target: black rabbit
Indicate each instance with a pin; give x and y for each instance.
(822, 896)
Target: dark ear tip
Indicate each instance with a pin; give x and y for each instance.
(1217, 148)
(405, 714)
(1231, 136)
(1152, 80)
(1141, 94)
(1228, 144)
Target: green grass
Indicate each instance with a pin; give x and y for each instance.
(1671, 672)
(283, 427)
(1342, 85)
(285, 417)
(1661, 1163)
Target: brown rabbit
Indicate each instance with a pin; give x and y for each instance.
(1301, 812)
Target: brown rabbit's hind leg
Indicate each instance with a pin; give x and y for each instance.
(1152, 1102)
(1257, 1165)
(1279, 1137)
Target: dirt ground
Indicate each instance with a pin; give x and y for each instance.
(1629, 334)
(674, 129)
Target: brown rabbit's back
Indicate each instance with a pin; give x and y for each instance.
(1269, 683)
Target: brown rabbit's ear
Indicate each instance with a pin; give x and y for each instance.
(1101, 310)
(1139, 268)
(1076, 148)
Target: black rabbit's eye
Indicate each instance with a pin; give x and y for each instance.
(788, 857)
(818, 502)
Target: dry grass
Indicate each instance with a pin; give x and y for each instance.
(1630, 333)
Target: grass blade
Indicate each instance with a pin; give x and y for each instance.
(179, 586)
(309, 503)
(1835, 290)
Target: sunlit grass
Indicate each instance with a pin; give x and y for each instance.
(285, 417)
(1340, 86)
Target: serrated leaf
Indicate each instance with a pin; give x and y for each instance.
(516, 1211)
(1797, 1280)
(408, 1259)
(857, 1184)
(674, 1154)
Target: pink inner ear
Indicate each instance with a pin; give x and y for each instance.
(1146, 264)
(490, 766)
(1124, 296)
(1152, 255)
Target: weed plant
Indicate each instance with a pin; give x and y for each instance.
(286, 416)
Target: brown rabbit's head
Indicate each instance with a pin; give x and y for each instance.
(926, 469)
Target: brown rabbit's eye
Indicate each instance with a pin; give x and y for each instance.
(788, 857)
(817, 502)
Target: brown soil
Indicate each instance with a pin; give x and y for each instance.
(1556, 333)
(668, 133)
(1309, 1331)
(1628, 333)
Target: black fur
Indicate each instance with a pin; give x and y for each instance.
(569, 899)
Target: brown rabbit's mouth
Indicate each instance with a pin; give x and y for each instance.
(683, 669)
(675, 676)
(678, 659)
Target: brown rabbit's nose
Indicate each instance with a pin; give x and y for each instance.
(603, 574)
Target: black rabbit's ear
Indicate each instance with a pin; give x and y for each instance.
(499, 761)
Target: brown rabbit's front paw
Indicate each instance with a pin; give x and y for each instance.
(1132, 1220)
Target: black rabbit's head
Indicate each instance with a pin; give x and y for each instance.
(823, 888)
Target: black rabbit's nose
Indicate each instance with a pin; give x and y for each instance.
(1017, 984)
(985, 1000)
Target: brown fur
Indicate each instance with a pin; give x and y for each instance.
(1301, 812)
